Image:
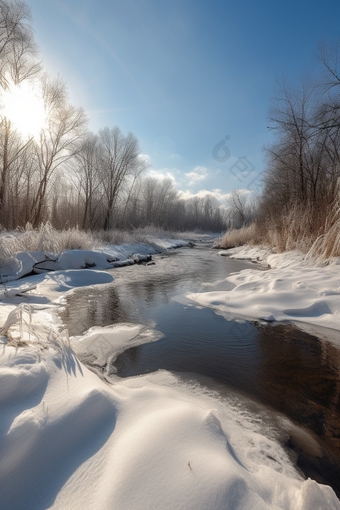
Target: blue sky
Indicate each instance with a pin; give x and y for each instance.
(181, 75)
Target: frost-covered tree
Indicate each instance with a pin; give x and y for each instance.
(18, 49)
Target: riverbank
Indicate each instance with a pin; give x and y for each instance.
(71, 441)
(293, 289)
(31, 281)
(26, 263)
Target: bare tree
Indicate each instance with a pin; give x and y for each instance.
(59, 140)
(119, 161)
(158, 201)
(237, 201)
(87, 162)
(18, 50)
(12, 148)
(290, 116)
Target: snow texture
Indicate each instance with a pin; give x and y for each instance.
(25, 263)
(293, 289)
(100, 346)
(70, 441)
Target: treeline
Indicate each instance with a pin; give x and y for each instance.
(148, 201)
(68, 175)
(299, 206)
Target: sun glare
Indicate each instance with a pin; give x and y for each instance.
(25, 109)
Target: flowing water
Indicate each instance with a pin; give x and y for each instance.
(281, 366)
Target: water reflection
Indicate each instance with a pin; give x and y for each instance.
(137, 289)
(93, 307)
(196, 341)
(301, 375)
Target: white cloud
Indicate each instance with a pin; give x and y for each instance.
(198, 174)
(164, 173)
(194, 177)
(201, 169)
(180, 180)
(187, 195)
(216, 193)
(146, 158)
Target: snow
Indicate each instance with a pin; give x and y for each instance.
(111, 256)
(37, 296)
(70, 440)
(101, 345)
(294, 289)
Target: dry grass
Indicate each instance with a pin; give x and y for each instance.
(46, 239)
(312, 232)
(327, 245)
(22, 330)
(51, 241)
(139, 235)
(237, 237)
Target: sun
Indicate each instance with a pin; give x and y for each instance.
(24, 107)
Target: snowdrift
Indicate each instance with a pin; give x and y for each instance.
(70, 441)
(292, 289)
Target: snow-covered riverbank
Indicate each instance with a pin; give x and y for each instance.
(293, 289)
(110, 256)
(71, 441)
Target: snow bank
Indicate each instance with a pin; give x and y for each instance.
(263, 256)
(111, 256)
(293, 289)
(70, 441)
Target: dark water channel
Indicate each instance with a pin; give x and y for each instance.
(293, 372)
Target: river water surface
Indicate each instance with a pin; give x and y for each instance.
(282, 367)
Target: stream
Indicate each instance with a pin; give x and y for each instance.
(280, 367)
